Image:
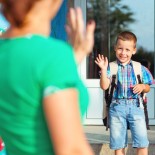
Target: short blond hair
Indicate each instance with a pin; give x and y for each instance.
(127, 35)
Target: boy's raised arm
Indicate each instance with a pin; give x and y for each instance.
(102, 62)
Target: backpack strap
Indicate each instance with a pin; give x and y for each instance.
(108, 98)
(109, 92)
(137, 67)
(144, 102)
(113, 70)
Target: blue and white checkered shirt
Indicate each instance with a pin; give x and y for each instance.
(127, 79)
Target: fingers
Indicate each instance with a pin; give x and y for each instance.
(75, 27)
(79, 20)
(106, 61)
(90, 30)
(101, 61)
(75, 20)
(72, 18)
(97, 61)
(101, 58)
(81, 38)
(137, 89)
(90, 27)
(69, 32)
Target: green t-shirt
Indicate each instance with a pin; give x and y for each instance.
(32, 67)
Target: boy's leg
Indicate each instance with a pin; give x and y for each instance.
(120, 152)
(138, 129)
(142, 151)
(118, 126)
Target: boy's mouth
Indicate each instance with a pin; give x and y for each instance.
(122, 57)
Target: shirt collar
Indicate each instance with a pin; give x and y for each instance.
(119, 63)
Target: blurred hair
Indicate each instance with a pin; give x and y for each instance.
(16, 10)
(127, 36)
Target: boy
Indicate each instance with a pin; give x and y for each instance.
(124, 107)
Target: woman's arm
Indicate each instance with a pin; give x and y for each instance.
(64, 123)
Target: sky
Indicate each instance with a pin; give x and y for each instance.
(144, 25)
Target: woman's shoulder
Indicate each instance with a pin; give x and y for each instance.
(50, 44)
(53, 50)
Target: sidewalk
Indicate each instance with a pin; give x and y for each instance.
(98, 137)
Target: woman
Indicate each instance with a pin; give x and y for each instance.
(41, 92)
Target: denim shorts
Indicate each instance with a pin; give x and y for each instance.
(122, 111)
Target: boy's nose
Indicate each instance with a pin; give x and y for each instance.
(123, 51)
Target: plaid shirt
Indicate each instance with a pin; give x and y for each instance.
(127, 80)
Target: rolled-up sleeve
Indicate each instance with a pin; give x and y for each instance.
(147, 77)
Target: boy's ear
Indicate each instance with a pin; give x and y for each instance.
(134, 51)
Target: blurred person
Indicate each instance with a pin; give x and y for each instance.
(2, 148)
(42, 98)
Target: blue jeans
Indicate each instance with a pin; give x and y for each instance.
(122, 111)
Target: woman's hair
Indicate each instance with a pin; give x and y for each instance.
(16, 10)
(127, 35)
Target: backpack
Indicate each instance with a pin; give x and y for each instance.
(109, 92)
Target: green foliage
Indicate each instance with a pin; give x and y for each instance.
(120, 16)
(111, 17)
(143, 54)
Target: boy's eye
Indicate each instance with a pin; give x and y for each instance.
(120, 48)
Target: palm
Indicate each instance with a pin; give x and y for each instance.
(102, 61)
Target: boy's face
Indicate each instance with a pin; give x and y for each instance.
(124, 50)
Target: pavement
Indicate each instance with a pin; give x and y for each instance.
(98, 138)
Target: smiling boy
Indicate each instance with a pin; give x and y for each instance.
(124, 107)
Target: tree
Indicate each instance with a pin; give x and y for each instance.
(145, 55)
(111, 17)
(120, 16)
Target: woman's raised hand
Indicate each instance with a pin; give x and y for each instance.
(81, 38)
(102, 62)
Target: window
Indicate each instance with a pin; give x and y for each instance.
(70, 3)
(114, 16)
